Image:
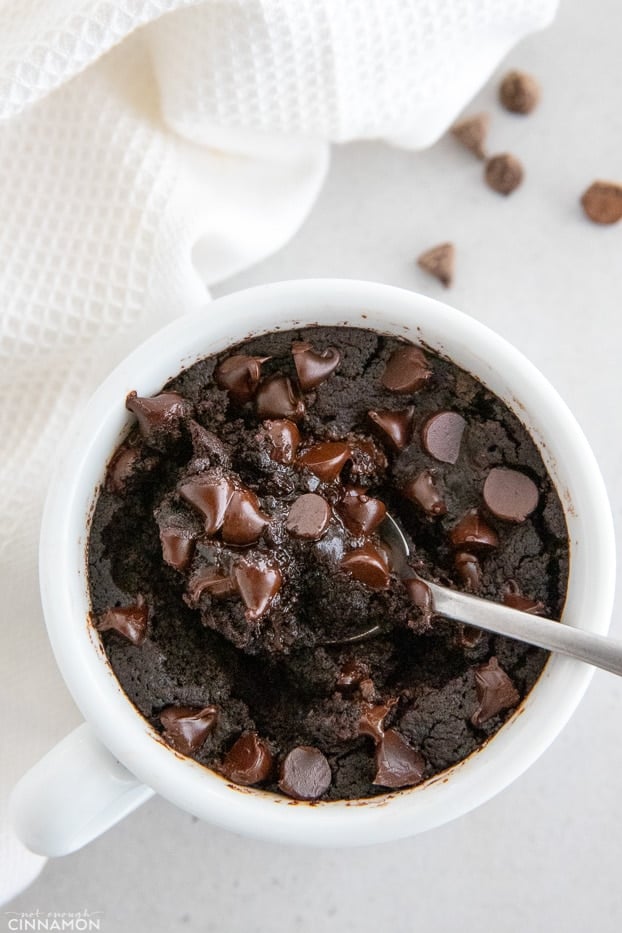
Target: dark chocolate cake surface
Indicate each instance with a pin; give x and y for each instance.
(236, 550)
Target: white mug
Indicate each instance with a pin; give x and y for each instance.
(115, 761)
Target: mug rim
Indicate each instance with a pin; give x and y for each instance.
(89, 444)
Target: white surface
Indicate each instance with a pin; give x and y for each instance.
(545, 855)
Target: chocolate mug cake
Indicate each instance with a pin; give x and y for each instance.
(236, 558)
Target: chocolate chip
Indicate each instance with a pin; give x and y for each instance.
(439, 261)
(469, 570)
(468, 636)
(120, 468)
(396, 426)
(495, 692)
(305, 773)
(472, 133)
(398, 764)
(519, 92)
(602, 202)
(509, 494)
(421, 596)
(503, 173)
(277, 398)
(406, 371)
(352, 673)
(285, 438)
(368, 565)
(209, 495)
(177, 547)
(473, 532)
(187, 727)
(360, 513)
(326, 459)
(308, 517)
(212, 580)
(313, 367)
(244, 521)
(511, 596)
(368, 458)
(441, 435)
(129, 621)
(248, 761)
(258, 583)
(372, 718)
(240, 375)
(163, 411)
(423, 491)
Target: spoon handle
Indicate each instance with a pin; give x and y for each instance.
(556, 636)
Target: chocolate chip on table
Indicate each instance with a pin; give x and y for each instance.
(398, 764)
(128, 621)
(210, 496)
(441, 435)
(519, 92)
(396, 426)
(469, 570)
(602, 202)
(177, 547)
(187, 727)
(495, 692)
(308, 517)
(473, 532)
(305, 773)
(258, 582)
(439, 261)
(372, 718)
(277, 397)
(312, 366)
(211, 580)
(407, 370)
(368, 565)
(240, 375)
(162, 412)
(244, 521)
(326, 459)
(509, 494)
(423, 491)
(285, 438)
(503, 173)
(472, 132)
(248, 761)
(360, 513)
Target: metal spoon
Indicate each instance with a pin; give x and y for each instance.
(494, 617)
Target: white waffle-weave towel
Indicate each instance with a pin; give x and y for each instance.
(148, 147)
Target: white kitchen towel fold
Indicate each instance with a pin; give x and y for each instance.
(148, 147)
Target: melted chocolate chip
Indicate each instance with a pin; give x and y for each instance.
(308, 517)
(258, 583)
(305, 773)
(423, 491)
(244, 521)
(248, 761)
(211, 580)
(277, 398)
(406, 371)
(396, 426)
(512, 597)
(421, 596)
(372, 718)
(177, 547)
(313, 367)
(129, 621)
(510, 495)
(120, 468)
(469, 570)
(495, 692)
(285, 438)
(473, 532)
(163, 411)
(398, 764)
(210, 496)
(326, 459)
(187, 727)
(368, 565)
(352, 674)
(360, 513)
(441, 435)
(240, 375)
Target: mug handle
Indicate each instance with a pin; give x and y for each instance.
(72, 795)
